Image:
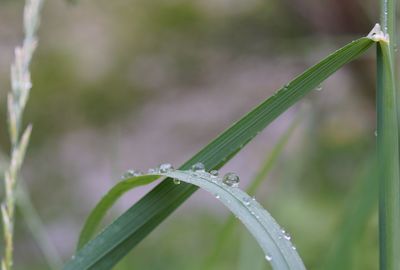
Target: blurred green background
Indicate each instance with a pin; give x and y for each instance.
(131, 84)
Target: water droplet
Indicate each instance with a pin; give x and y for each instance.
(268, 257)
(231, 179)
(376, 133)
(129, 174)
(198, 167)
(152, 171)
(319, 88)
(137, 173)
(214, 173)
(246, 201)
(165, 167)
(286, 235)
(176, 181)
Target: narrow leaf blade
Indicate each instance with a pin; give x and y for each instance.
(137, 222)
(269, 235)
(98, 213)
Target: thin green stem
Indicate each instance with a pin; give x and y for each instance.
(388, 142)
(388, 161)
(388, 19)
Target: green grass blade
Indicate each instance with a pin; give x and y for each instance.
(273, 157)
(388, 160)
(98, 213)
(272, 239)
(228, 227)
(137, 222)
(359, 208)
(248, 257)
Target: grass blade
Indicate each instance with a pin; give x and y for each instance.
(98, 213)
(272, 239)
(137, 222)
(359, 208)
(249, 257)
(388, 160)
(228, 227)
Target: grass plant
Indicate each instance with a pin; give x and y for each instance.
(388, 141)
(17, 98)
(106, 249)
(116, 240)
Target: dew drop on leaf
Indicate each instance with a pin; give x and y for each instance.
(176, 181)
(151, 171)
(286, 235)
(165, 167)
(128, 174)
(231, 179)
(214, 173)
(246, 201)
(137, 173)
(198, 167)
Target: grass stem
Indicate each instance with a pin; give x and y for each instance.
(17, 98)
(388, 143)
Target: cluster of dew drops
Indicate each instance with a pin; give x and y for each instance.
(230, 179)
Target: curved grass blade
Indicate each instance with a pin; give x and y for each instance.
(228, 227)
(278, 249)
(98, 213)
(248, 257)
(138, 221)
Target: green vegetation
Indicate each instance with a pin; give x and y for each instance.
(314, 195)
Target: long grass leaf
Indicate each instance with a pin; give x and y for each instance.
(228, 227)
(137, 222)
(278, 249)
(248, 257)
(98, 213)
(359, 208)
(388, 160)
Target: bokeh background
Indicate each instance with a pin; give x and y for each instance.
(133, 83)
